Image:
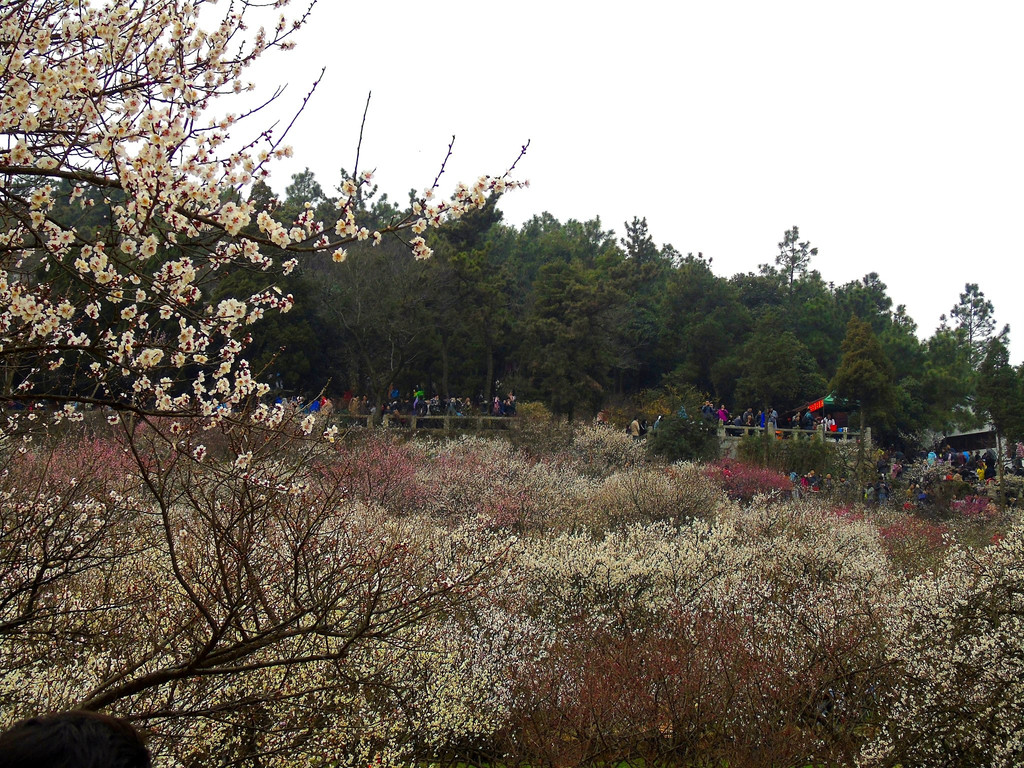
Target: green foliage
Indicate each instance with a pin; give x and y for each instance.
(799, 455)
(815, 318)
(865, 373)
(866, 299)
(794, 257)
(471, 309)
(703, 320)
(974, 322)
(1000, 393)
(642, 274)
(675, 396)
(684, 439)
(537, 431)
(568, 340)
(579, 318)
(947, 382)
(777, 370)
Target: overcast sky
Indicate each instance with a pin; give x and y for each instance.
(889, 132)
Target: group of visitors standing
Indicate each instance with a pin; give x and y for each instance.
(802, 419)
(766, 419)
(416, 403)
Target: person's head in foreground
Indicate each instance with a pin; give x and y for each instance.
(73, 740)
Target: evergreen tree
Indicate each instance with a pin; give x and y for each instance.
(794, 258)
(974, 322)
(908, 355)
(703, 324)
(777, 370)
(567, 346)
(813, 317)
(1000, 394)
(638, 243)
(948, 380)
(469, 309)
(641, 276)
(865, 373)
(866, 298)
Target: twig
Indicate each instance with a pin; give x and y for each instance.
(359, 146)
(521, 153)
(437, 179)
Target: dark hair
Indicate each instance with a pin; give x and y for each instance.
(75, 739)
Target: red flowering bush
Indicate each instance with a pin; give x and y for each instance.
(912, 543)
(846, 512)
(382, 470)
(742, 482)
(975, 508)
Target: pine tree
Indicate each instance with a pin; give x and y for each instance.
(999, 394)
(865, 374)
(974, 322)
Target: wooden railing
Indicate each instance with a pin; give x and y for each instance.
(444, 423)
(726, 431)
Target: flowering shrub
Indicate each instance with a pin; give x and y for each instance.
(913, 543)
(538, 431)
(252, 589)
(62, 512)
(975, 508)
(955, 641)
(742, 482)
(394, 601)
(597, 449)
(674, 643)
(127, 202)
(493, 485)
(646, 493)
(382, 470)
(846, 512)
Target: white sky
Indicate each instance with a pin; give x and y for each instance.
(889, 132)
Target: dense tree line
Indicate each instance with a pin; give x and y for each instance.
(570, 314)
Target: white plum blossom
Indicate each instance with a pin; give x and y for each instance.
(150, 358)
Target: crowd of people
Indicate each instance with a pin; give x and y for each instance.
(973, 473)
(802, 419)
(416, 403)
(874, 493)
(977, 471)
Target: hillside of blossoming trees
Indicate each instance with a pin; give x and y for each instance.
(558, 597)
(253, 583)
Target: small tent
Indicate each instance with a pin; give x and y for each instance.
(836, 407)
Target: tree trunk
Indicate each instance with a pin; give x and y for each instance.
(444, 366)
(489, 381)
(860, 449)
(1000, 494)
